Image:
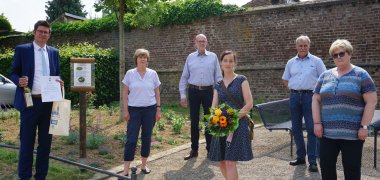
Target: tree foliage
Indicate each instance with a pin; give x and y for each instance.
(111, 7)
(55, 8)
(4, 24)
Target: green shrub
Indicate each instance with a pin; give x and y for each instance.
(161, 125)
(6, 58)
(121, 137)
(94, 140)
(106, 70)
(158, 138)
(185, 136)
(109, 156)
(172, 142)
(72, 138)
(177, 123)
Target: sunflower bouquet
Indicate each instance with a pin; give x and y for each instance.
(223, 120)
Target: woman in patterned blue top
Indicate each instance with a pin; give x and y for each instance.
(343, 105)
(239, 146)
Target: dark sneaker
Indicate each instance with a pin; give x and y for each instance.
(313, 168)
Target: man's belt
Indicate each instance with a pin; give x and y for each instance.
(301, 91)
(36, 95)
(200, 87)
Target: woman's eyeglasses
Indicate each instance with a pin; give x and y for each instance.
(340, 54)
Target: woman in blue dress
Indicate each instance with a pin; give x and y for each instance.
(237, 146)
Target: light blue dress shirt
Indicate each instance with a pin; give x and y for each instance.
(302, 74)
(200, 70)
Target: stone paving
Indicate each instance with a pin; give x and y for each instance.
(271, 161)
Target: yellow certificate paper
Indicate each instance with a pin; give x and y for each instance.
(50, 89)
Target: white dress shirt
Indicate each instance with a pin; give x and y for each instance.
(36, 89)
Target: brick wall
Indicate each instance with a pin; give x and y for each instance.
(263, 38)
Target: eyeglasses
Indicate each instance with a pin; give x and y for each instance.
(43, 32)
(340, 54)
(201, 42)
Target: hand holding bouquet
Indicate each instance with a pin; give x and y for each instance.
(223, 120)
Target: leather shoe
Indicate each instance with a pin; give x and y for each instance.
(313, 168)
(191, 155)
(297, 162)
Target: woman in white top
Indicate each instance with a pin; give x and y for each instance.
(141, 98)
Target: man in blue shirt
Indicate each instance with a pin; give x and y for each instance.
(300, 76)
(201, 71)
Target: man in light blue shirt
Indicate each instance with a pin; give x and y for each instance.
(300, 76)
(201, 71)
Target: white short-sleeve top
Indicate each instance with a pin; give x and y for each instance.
(141, 89)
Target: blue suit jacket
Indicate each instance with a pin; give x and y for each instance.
(23, 65)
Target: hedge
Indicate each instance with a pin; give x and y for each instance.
(106, 70)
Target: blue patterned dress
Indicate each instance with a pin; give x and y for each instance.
(240, 148)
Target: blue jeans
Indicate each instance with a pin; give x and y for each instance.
(300, 107)
(144, 118)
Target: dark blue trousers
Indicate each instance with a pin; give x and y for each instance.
(351, 150)
(144, 118)
(32, 118)
(196, 98)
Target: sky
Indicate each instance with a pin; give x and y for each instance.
(22, 14)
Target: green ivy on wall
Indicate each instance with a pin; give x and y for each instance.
(162, 14)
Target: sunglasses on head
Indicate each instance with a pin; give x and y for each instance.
(340, 54)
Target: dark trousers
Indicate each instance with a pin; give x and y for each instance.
(144, 118)
(351, 158)
(196, 98)
(32, 118)
(300, 107)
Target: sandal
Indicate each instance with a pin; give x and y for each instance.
(146, 170)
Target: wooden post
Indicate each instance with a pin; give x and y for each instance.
(82, 124)
(82, 81)
(121, 55)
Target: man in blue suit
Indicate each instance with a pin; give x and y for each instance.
(30, 62)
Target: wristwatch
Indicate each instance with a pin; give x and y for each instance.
(364, 127)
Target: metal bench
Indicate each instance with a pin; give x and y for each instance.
(276, 116)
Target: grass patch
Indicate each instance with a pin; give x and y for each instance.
(57, 170)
